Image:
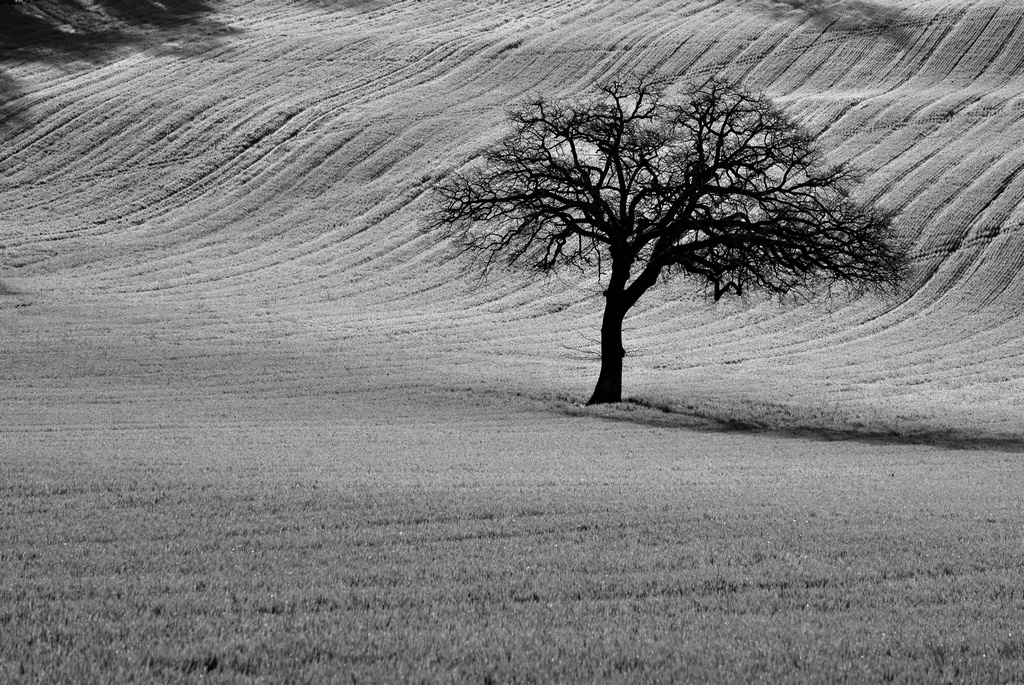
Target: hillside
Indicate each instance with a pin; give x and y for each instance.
(250, 177)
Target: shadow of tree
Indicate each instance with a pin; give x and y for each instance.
(12, 115)
(665, 417)
(61, 32)
(348, 5)
(852, 15)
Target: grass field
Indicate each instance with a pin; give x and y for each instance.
(419, 534)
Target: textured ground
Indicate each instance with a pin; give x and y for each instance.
(255, 171)
(232, 369)
(298, 530)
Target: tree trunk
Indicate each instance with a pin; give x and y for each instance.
(618, 300)
(609, 383)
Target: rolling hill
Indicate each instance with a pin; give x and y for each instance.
(193, 188)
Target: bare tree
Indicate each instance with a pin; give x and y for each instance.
(719, 185)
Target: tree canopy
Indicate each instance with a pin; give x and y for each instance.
(718, 184)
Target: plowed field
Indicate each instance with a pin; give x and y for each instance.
(256, 174)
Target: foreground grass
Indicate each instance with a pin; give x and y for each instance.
(455, 543)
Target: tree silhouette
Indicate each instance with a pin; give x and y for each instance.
(719, 185)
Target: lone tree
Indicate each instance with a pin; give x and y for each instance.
(719, 184)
